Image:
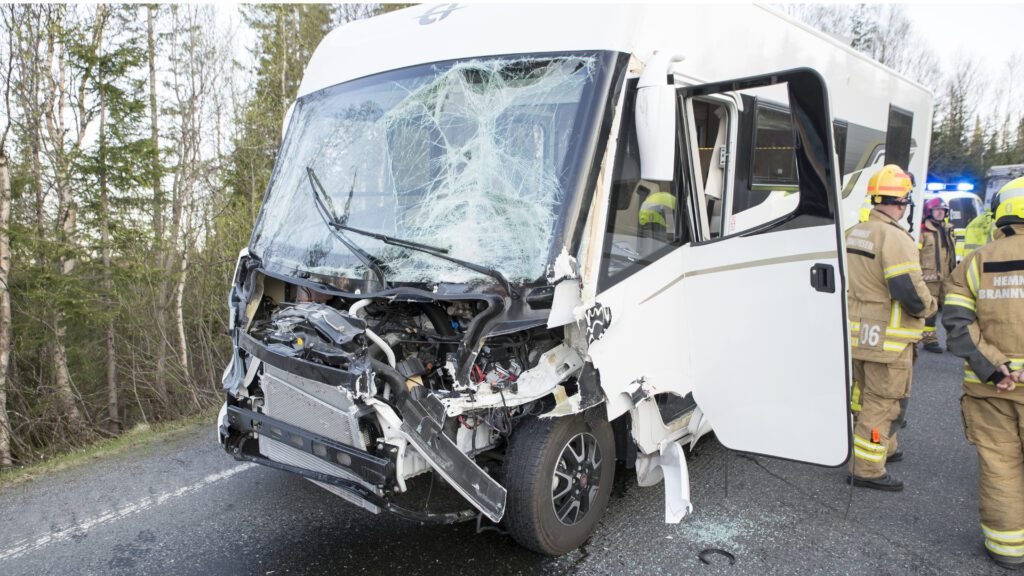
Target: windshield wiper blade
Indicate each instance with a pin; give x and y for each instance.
(409, 244)
(317, 189)
(441, 253)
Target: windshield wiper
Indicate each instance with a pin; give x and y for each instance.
(441, 253)
(331, 220)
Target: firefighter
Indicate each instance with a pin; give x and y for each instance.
(979, 231)
(938, 258)
(984, 308)
(657, 214)
(888, 302)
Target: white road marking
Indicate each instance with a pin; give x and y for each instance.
(25, 546)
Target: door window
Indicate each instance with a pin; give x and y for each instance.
(897, 137)
(646, 218)
(778, 180)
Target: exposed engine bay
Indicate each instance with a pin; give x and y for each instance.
(362, 394)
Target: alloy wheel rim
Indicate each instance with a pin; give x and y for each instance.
(576, 478)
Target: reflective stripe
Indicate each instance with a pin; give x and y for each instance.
(868, 450)
(888, 345)
(961, 301)
(867, 444)
(1004, 550)
(970, 376)
(904, 332)
(864, 455)
(890, 332)
(896, 318)
(1008, 536)
(972, 277)
(929, 329)
(901, 268)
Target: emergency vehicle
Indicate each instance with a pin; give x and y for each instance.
(505, 246)
(964, 206)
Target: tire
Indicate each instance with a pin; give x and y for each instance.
(536, 448)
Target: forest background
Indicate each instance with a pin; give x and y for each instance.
(135, 148)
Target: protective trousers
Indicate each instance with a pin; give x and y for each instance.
(930, 336)
(995, 426)
(883, 393)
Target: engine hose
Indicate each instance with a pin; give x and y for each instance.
(388, 352)
(353, 310)
(438, 319)
(394, 378)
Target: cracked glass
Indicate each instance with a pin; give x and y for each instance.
(474, 156)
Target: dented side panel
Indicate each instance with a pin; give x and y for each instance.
(637, 337)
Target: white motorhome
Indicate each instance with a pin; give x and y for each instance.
(507, 246)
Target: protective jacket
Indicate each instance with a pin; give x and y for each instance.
(978, 232)
(658, 208)
(938, 257)
(984, 319)
(984, 315)
(887, 297)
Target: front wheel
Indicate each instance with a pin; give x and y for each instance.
(559, 473)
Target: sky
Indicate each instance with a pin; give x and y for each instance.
(988, 32)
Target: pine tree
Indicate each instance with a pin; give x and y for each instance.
(286, 36)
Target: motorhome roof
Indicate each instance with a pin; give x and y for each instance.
(438, 32)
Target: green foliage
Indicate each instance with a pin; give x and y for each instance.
(286, 36)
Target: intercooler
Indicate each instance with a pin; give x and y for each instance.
(318, 408)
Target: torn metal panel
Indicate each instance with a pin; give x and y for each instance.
(468, 479)
(639, 390)
(677, 482)
(589, 382)
(567, 298)
(650, 431)
(668, 464)
(643, 337)
(563, 268)
(698, 426)
(554, 367)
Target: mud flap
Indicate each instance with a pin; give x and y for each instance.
(670, 464)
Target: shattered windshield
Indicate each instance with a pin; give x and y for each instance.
(475, 157)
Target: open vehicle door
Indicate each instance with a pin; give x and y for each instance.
(764, 296)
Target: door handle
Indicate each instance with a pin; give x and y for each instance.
(823, 278)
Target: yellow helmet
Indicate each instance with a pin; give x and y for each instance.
(889, 182)
(1011, 200)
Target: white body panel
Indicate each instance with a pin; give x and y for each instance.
(754, 318)
(718, 41)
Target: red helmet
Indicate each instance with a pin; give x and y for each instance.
(934, 204)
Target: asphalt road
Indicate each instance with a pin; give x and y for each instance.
(188, 508)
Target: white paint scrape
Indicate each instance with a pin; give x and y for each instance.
(23, 547)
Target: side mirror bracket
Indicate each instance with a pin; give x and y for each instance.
(656, 118)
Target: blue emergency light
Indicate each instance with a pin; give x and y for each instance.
(943, 187)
